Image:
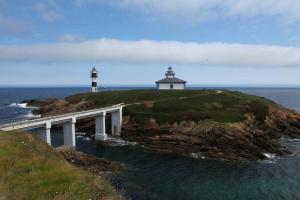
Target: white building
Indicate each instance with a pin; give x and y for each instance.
(170, 82)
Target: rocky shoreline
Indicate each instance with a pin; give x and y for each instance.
(246, 140)
(250, 139)
(90, 163)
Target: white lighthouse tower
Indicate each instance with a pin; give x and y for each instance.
(94, 76)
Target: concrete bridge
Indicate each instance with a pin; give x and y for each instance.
(69, 120)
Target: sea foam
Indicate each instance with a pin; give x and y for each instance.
(31, 115)
(20, 105)
(114, 141)
(270, 156)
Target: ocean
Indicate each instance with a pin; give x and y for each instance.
(155, 175)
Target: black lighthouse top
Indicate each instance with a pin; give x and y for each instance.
(94, 73)
(170, 73)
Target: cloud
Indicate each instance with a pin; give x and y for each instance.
(48, 11)
(70, 38)
(10, 26)
(201, 10)
(154, 52)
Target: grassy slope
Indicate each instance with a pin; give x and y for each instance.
(30, 169)
(171, 106)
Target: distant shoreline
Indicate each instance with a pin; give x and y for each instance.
(189, 86)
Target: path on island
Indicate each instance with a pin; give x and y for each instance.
(150, 103)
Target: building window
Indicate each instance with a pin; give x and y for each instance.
(171, 86)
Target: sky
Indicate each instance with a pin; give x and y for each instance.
(208, 42)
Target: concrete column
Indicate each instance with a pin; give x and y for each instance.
(100, 127)
(116, 122)
(69, 133)
(46, 133)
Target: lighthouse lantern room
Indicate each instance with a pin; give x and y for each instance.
(94, 77)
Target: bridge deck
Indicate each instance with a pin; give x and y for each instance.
(58, 118)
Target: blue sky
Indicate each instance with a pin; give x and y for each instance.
(209, 42)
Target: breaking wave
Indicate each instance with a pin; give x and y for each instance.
(116, 141)
(270, 156)
(20, 105)
(32, 116)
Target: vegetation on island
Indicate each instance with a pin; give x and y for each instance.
(171, 106)
(30, 169)
(207, 123)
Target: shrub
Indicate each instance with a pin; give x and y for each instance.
(259, 110)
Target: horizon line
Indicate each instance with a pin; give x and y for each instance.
(153, 86)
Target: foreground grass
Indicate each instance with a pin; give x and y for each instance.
(30, 169)
(178, 105)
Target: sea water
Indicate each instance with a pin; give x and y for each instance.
(155, 175)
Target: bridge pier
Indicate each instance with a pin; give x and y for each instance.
(69, 133)
(100, 127)
(46, 133)
(116, 122)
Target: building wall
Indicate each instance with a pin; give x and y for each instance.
(166, 86)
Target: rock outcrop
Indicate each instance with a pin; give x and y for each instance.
(246, 140)
(50, 107)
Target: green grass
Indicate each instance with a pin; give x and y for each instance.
(131, 96)
(173, 106)
(30, 169)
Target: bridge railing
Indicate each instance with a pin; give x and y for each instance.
(72, 114)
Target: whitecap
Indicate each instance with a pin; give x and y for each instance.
(197, 155)
(32, 107)
(20, 105)
(131, 143)
(86, 139)
(289, 139)
(267, 161)
(31, 115)
(117, 141)
(293, 140)
(270, 156)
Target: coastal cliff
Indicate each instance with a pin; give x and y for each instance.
(202, 123)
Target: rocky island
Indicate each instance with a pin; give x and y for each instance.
(202, 123)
